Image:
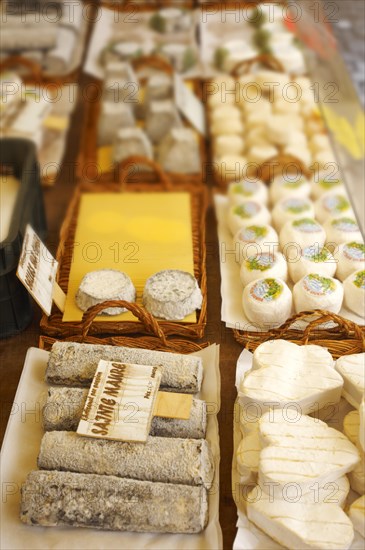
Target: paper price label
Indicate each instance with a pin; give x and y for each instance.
(37, 270)
(189, 104)
(120, 402)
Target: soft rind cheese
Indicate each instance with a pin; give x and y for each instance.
(352, 370)
(303, 450)
(354, 287)
(362, 423)
(104, 285)
(267, 301)
(357, 515)
(172, 294)
(248, 455)
(304, 526)
(317, 292)
(285, 373)
(357, 476)
(351, 426)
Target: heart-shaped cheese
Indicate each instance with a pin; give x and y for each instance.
(352, 370)
(357, 515)
(297, 525)
(285, 373)
(351, 426)
(304, 451)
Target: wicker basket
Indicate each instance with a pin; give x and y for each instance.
(88, 157)
(157, 341)
(53, 325)
(272, 167)
(32, 74)
(345, 338)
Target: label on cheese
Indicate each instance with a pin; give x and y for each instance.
(319, 286)
(347, 225)
(266, 290)
(253, 233)
(307, 225)
(295, 206)
(336, 204)
(247, 210)
(37, 270)
(120, 402)
(317, 255)
(359, 280)
(354, 252)
(261, 262)
(246, 188)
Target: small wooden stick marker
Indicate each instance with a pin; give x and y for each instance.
(173, 405)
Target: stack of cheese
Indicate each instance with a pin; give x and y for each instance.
(156, 486)
(296, 250)
(294, 466)
(261, 115)
(145, 121)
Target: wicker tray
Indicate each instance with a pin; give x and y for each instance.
(345, 338)
(88, 157)
(32, 75)
(157, 341)
(276, 165)
(53, 325)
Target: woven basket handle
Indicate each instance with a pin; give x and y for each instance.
(154, 62)
(135, 160)
(34, 69)
(149, 322)
(328, 316)
(275, 166)
(245, 66)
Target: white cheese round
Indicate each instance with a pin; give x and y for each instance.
(350, 258)
(323, 184)
(247, 213)
(255, 239)
(299, 234)
(263, 265)
(317, 292)
(267, 302)
(288, 186)
(105, 285)
(228, 145)
(247, 190)
(291, 209)
(313, 259)
(332, 205)
(342, 230)
(172, 294)
(354, 287)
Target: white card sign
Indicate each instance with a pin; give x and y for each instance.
(189, 104)
(120, 402)
(37, 270)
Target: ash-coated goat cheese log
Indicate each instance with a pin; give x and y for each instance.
(64, 407)
(107, 502)
(162, 459)
(72, 364)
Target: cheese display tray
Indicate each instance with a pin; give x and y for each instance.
(19, 456)
(54, 325)
(248, 536)
(231, 287)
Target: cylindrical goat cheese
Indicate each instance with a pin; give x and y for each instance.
(354, 287)
(291, 209)
(247, 213)
(267, 302)
(104, 285)
(172, 294)
(342, 230)
(332, 205)
(263, 265)
(251, 240)
(350, 257)
(313, 259)
(163, 459)
(317, 292)
(247, 190)
(51, 498)
(286, 187)
(300, 234)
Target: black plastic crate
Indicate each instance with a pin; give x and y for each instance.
(18, 157)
